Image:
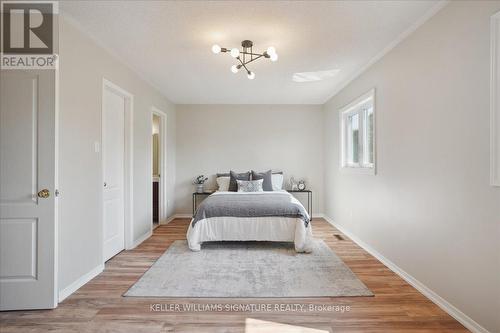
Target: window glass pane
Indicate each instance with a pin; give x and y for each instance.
(368, 146)
(353, 139)
(358, 134)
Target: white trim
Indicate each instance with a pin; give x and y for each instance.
(349, 170)
(370, 94)
(430, 13)
(63, 294)
(168, 220)
(175, 216)
(182, 216)
(494, 104)
(461, 317)
(56, 188)
(163, 163)
(141, 239)
(129, 161)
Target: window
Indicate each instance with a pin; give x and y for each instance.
(358, 134)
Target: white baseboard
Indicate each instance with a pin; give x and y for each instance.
(141, 239)
(63, 294)
(168, 220)
(183, 216)
(176, 216)
(461, 317)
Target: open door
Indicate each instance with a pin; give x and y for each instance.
(27, 191)
(159, 168)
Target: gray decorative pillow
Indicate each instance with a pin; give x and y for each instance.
(267, 185)
(250, 185)
(233, 186)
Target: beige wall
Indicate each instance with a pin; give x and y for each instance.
(83, 64)
(217, 138)
(430, 208)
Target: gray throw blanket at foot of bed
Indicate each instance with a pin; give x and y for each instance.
(261, 204)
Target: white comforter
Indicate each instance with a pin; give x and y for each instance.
(277, 229)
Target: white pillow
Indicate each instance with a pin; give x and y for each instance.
(223, 184)
(277, 180)
(250, 185)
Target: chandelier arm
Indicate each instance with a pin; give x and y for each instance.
(260, 56)
(227, 50)
(243, 64)
(251, 53)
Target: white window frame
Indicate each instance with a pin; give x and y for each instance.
(358, 106)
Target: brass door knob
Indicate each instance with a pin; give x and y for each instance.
(44, 193)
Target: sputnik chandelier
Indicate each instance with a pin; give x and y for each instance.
(246, 56)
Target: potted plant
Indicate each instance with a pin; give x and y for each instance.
(200, 182)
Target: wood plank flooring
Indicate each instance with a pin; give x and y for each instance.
(99, 307)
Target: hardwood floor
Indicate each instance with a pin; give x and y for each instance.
(99, 307)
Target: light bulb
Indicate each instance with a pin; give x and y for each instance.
(235, 53)
(274, 57)
(216, 49)
(234, 69)
(271, 50)
(251, 75)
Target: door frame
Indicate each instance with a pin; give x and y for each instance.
(162, 191)
(128, 182)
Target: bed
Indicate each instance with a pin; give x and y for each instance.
(251, 216)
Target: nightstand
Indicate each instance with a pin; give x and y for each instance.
(309, 199)
(197, 196)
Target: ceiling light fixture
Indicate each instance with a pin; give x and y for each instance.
(235, 69)
(216, 49)
(246, 56)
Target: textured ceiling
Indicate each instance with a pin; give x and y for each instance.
(169, 43)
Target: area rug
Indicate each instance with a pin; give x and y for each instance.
(248, 269)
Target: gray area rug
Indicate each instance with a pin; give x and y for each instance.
(248, 269)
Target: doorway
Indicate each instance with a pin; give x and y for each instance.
(117, 183)
(158, 169)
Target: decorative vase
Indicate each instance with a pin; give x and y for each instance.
(199, 188)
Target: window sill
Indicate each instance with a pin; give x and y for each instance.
(357, 170)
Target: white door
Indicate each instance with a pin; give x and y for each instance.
(113, 137)
(27, 185)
